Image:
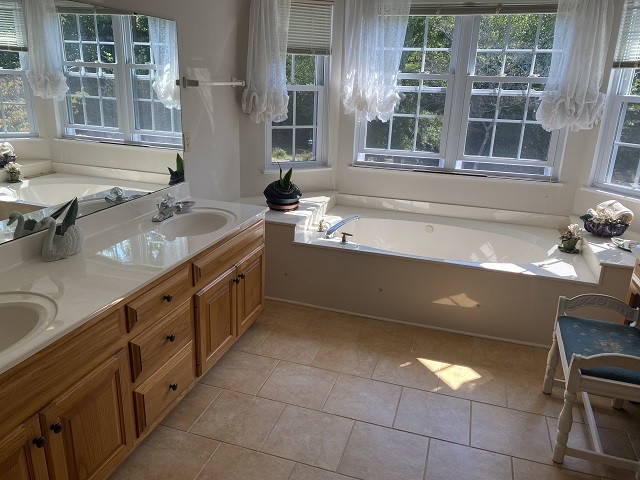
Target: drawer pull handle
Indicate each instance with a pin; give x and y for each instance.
(168, 297)
(171, 337)
(56, 427)
(236, 280)
(38, 442)
(173, 386)
(242, 276)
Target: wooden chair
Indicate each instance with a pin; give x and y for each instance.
(598, 357)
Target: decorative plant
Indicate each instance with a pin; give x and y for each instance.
(285, 182)
(569, 237)
(7, 154)
(13, 170)
(177, 175)
(283, 194)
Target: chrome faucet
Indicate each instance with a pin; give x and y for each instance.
(117, 196)
(166, 208)
(331, 230)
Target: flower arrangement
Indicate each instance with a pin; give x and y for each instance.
(569, 238)
(608, 219)
(13, 171)
(7, 154)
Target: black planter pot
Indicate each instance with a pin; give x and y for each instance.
(279, 199)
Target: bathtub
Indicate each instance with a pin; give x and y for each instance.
(482, 278)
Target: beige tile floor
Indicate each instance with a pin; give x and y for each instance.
(307, 394)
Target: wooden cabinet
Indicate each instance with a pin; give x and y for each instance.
(22, 454)
(250, 289)
(88, 429)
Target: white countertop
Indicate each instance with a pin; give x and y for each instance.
(116, 261)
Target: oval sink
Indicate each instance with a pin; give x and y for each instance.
(198, 222)
(23, 315)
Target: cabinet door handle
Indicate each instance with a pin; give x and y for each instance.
(236, 280)
(167, 298)
(173, 386)
(171, 337)
(56, 427)
(38, 442)
(242, 276)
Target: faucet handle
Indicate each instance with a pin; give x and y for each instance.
(344, 236)
(167, 200)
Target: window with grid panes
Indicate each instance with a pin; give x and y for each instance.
(469, 88)
(110, 70)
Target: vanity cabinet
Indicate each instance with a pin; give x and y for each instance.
(250, 289)
(22, 454)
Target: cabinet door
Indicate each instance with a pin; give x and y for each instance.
(250, 289)
(89, 427)
(215, 313)
(22, 454)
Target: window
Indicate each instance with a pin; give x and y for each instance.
(469, 88)
(16, 115)
(109, 69)
(301, 138)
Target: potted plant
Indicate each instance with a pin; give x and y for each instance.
(7, 154)
(13, 172)
(569, 238)
(177, 175)
(282, 194)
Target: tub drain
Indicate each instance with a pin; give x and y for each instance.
(428, 228)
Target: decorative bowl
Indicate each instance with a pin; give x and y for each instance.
(605, 229)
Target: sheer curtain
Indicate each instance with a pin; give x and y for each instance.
(374, 36)
(265, 98)
(45, 71)
(572, 96)
(164, 48)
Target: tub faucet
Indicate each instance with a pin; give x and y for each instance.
(166, 208)
(331, 230)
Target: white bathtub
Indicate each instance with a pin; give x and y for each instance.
(481, 278)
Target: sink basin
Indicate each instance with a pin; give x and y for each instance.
(198, 222)
(23, 315)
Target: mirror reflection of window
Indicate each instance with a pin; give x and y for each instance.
(121, 72)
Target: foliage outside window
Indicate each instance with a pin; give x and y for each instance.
(110, 70)
(619, 152)
(299, 138)
(16, 116)
(469, 88)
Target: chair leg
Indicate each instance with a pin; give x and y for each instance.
(617, 403)
(552, 363)
(565, 422)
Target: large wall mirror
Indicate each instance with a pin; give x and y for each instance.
(121, 70)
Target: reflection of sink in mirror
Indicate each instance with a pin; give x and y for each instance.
(23, 315)
(199, 222)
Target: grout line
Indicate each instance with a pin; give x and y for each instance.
(271, 429)
(470, 420)
(395, 415)
(345, 446)
(513, 469)
(426, 459)
(206, 408)
(207, 461)
(267, 379)
(329, 393)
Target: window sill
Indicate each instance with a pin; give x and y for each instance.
(299, 170)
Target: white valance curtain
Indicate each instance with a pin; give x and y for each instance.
(164, 48)
(45, 71)
(572, 96)
(265, 98)
(373, 40)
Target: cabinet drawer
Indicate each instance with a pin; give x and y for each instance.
(216, 261)
(165, 387)
(160, 299)
(154, 347)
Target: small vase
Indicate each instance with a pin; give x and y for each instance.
(569, 246)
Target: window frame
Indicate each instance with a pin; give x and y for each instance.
(126, 133)
(610, 131)
(321, 121)
(456, 119)
(31, 119)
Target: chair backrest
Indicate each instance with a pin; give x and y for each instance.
(598, 300)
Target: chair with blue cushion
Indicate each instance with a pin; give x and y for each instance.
(598, 357)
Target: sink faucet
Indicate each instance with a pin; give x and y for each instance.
(331, 230)
(166, 208)
(117, 196)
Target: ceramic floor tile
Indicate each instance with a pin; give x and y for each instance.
(473, 383)
(191, 407)
(335, 326)
(626, 420)
(347, 357)
(448, 461)
(451, 348)
(156, 456)
(235, 463)
(407, 369)
(509, 356)
(379, 453)
(238, 419)
(240, 371)
(526, 470)
(388, 335)
(305, 472)
(511, 432)
(252, 337)
(363, 399)
(614, 442)
(293, 346)
(299, 385)
(310, 437)
(434, 415)
(286, 316)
